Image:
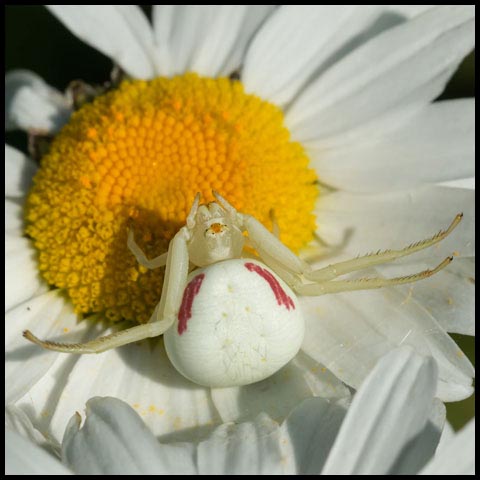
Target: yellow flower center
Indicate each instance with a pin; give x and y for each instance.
(135, 158)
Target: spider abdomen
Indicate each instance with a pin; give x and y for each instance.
(238, 324)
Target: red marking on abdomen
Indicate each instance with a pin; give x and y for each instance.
(191, 291)
(280, 295)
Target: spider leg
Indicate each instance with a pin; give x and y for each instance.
(291, 268)
(190, 222)
(153, 263)
(162, 319)
(341, 268)
(161, 260)
(101, 344)
(336, 286)
(275, 227)
(270, 248)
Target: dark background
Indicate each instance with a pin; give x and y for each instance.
(36, 41)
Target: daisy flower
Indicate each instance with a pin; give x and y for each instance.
(331, 124)
(393, 427)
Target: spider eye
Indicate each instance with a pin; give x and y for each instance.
(215, 228)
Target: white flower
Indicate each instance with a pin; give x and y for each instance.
(356, 85)
(26, 458)
(392, 427)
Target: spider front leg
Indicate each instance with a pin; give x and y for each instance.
(323, 277)
(161, 260)
(266, 243)
(359, 263)
(141, 258)
(337, 286)
(162, 318)
(291, 268)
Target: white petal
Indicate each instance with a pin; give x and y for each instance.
(13, 217)
(406, 65)
(300, 379)
(140, 375)
(416, 453)
(121, 32)
(207, 39)
(17, 421)
(349, 332)
(437, 144)
(462, 183)
(310, 431)
(48, 316)
(409, 10)
(395, 316)
(115, 441)
(25, 458)
(297, 42)
(245, 449)
(31, 104)
(19, 171)
(395, 220)
(453, 392)
(389, 410)
(458, 456)
(449, 296)
(22, 279)
(447, 435)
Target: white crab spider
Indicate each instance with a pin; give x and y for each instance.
(235, 320)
